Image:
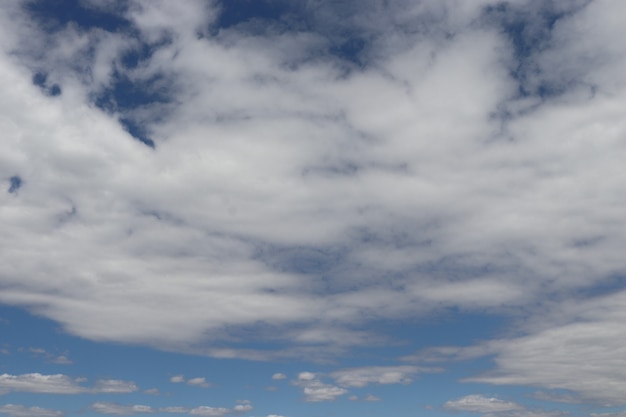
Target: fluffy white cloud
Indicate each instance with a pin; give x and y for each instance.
(61, 384)
(14, 410)
(279, 376)
(315, 390)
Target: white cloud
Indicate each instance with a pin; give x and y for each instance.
(315, 390)
(576, 347)
(198, 382)
(279, 376)
(176, 379)
(61, 384)
(209, 411)
(481, 404)
(114, 386)
(206, 411)
(361, 377)
(13, 410)
(121, 410)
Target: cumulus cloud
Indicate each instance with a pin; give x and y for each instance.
(61, 384)
(315, 390)
(279, 376)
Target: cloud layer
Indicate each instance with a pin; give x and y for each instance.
(292, 194)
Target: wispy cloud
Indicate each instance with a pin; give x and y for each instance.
(206, 411)
(14, 410)
(61, 384)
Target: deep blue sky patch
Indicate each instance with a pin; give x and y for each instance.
(54, 15)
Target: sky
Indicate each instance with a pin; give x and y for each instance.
(312, 208)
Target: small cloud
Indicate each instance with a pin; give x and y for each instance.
(152, 391)
(243, 407)
(279, 376)
(481, 404)
(384, 375)
(177, 379)
(114, 386)
(368, 398)
(49, 357)
(206, 411)
(198, 382)
(306, 376)
(62, 360)
(121, 410)
(317, 391)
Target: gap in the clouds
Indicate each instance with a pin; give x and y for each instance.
(54, 15)
(263, 17)
(125, 96)
(237, 12)
(605, 287)
(133, 57)
(529, 32)
(40, 79)
(137, 131)
(15, 183)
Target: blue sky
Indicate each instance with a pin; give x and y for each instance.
(271, 208)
